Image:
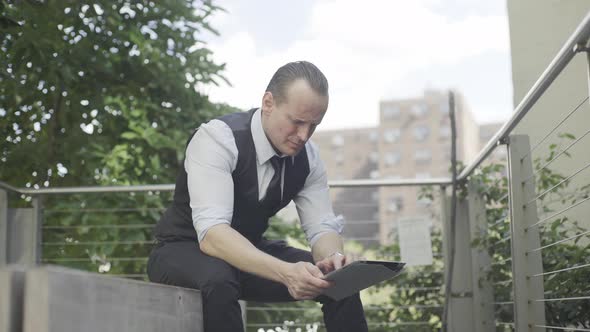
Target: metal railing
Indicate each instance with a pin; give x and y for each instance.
(526, 260)
(65, 244)
(532, 235)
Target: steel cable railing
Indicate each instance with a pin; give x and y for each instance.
(561, 328)
(577, 236)
(101, 226)
(554, 129)
(544, 166)
(86, 221)
(557, 185)
(542, 221)
(563, 300)
(572, 268)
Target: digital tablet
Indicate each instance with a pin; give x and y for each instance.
(359, 275)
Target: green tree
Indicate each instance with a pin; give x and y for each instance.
(102, 93)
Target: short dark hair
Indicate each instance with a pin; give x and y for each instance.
(293, 71)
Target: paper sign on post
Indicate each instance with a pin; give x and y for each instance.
(414, 241)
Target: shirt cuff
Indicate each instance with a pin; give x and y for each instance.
(329, 224)
(203, 225)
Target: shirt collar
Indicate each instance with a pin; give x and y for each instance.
(264, 150)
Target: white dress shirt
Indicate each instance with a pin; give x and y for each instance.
(211, 157)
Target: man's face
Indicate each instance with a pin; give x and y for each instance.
(290, 124)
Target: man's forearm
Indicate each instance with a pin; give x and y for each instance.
(326, 245)
(223, 242)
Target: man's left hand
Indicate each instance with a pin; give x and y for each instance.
(334, 262)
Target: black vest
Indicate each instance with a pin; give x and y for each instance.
(250, 216)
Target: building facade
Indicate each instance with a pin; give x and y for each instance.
(412, 140)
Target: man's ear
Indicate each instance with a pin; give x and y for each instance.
(268, 103)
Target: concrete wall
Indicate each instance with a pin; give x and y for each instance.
(63, 300)
(11, 298)
(538, 30)
(3, 226)
(22, 235)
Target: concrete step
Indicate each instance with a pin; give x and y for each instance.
(58, 299)
(12, 280)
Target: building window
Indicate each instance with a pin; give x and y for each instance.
(421, 133)
(396, 204)
(337, 140)
(445, 132)
(443, 107)
(375, 196)
(391, 158)
(447, 153)
(339, 159)
(373, 136)
(374, 157)
(374, 174)
(422, 155)
(376, 216)
(357, 137)
(419, 109)
(391, 112)
(423, 175)
(337, 176)
(391, 135)
(423, 202)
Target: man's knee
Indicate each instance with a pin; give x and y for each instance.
(351, 302)
(221, 290)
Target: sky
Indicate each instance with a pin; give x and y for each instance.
(369, 50)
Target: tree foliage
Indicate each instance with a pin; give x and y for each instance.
(102, 93)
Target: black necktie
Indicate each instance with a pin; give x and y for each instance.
(273, 193)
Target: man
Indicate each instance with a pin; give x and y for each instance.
(240, 170)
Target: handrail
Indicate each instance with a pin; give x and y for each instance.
(8, 187)
(99, 189)
(170, 187)
(562, 59)
(389, 182)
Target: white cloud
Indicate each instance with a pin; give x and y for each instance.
(364, 48)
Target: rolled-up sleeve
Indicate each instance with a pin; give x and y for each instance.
(313, 201)
(211, 158)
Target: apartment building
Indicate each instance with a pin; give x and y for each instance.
(416, 143)
(353, 154)
(412, 140)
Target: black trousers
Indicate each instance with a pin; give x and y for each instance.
(221, 285)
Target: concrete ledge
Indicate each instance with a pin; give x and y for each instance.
(12, 279)
(64, 300)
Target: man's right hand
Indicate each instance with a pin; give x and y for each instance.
(304, 281)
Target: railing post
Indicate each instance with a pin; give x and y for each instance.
(3, 227)
(24, 234)
(244, 307)
(483, 294)
(528, 312)
(586, 49)
(38, 224)
(460, 311)
(588, 66)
